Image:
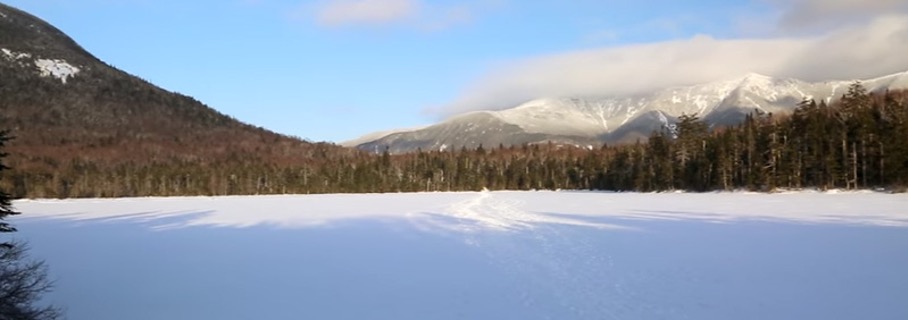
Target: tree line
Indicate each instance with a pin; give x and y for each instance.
(859, 141)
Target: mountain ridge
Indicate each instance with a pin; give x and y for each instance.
(622, 119)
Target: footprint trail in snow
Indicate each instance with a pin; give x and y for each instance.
(545, 261)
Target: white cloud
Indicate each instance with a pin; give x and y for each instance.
(856, 51)
(799, 15)
(347, 12)
(417, 14)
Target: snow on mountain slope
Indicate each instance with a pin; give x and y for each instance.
(56, 68)
(469, 130)
(893, 81)
(599, 116)
(560, 116)
(623, 119)
(374, 136)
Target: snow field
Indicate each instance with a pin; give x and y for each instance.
(477, 255)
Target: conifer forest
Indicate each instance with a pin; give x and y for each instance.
(859, 141)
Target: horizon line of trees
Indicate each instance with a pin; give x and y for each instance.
(859, 141)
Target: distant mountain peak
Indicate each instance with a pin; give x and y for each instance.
(753, 79)
(754, 76)
(613, 119)
(541, 102)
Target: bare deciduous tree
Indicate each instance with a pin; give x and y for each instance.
(22, 280)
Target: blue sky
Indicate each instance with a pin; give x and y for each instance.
(337, 69)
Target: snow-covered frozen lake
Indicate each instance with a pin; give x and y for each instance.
(482, 255)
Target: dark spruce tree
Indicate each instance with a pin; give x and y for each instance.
(6, 207)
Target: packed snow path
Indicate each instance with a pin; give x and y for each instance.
(477, 255)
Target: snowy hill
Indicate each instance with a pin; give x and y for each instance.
(591, 121)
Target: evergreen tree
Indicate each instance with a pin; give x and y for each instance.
(692, 141)
(6, 207)
(858, 141)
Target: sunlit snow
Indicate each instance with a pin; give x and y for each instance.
(56, 68)
(59, 69)
(13, 56)
(477, 255)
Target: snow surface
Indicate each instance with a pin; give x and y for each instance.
(59, 69)
(13, 56)
(56, 68)
(477, 255)
(596, 116)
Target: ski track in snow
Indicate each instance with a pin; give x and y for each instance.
(533, 253)
(577, 273)
(494, 211)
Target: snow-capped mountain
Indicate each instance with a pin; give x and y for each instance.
(592, 121)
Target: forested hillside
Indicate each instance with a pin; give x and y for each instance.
(859, 142)
(83, 128)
